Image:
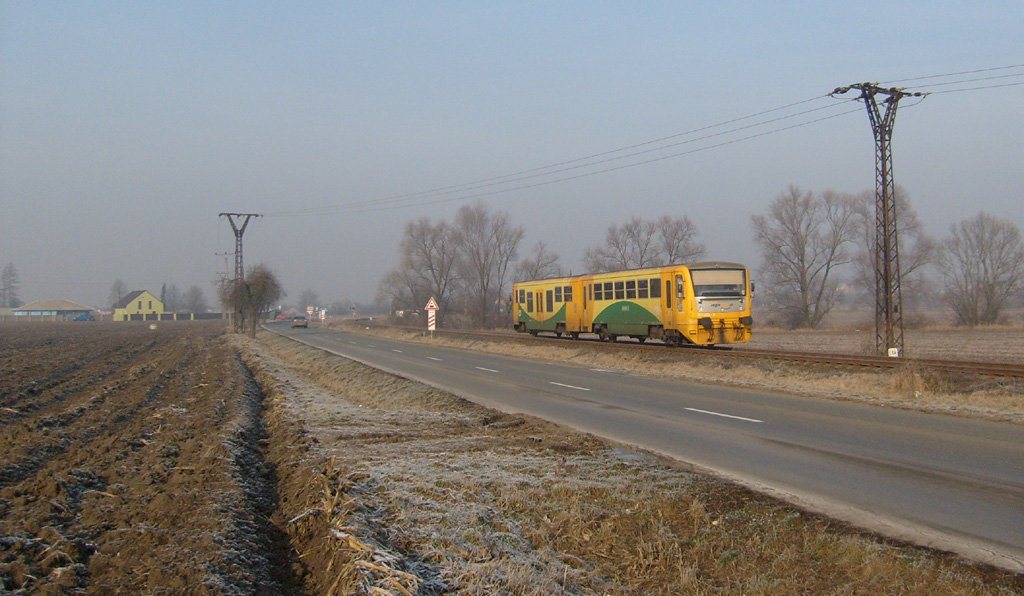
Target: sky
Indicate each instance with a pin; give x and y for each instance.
(127, 127)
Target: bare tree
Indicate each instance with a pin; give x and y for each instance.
(917, 250)
(640, 243)
(308, 298)
(629, 246)
(9, 283)
(487, 244)
(193, 300)
(426, 268)
(982, 262)
(541, 264)
(677, 241)
(253, 296)
(118, 290)
(803, 240)
(172, 298)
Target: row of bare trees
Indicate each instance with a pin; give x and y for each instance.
(817, 249)
(463, 265)
(468, 265)
(807, 238)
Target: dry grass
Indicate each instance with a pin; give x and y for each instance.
(443, 496)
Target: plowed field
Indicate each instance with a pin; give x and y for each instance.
(183, 460)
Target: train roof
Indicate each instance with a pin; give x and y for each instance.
(700, 265)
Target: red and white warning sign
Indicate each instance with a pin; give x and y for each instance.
(431, 309)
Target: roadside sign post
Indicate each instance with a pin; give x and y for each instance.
(431, 309)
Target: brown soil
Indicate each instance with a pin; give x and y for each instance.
(185, 461)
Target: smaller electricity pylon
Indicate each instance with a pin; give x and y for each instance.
(888, 297)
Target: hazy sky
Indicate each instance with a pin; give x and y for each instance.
(126, 127)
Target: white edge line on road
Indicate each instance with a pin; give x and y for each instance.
(709, 412)
(434, 359)
(570, 386)
(486, 369)
(394, 350)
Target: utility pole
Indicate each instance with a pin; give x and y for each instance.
(239, 229)
(224, 280)
(888, 297)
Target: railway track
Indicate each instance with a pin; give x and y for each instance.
(992, 369)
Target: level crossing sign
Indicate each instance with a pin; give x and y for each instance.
(431, 309)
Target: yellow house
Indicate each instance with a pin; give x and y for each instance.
(139, 305)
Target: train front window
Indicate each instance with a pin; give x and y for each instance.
(719, 282)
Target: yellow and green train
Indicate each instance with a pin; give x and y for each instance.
(701, 304)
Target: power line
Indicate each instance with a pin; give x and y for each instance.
(954, 74)
(493, 185)
(365, 207)
(976, 88)
(566, 166)
(1008, 76)
(515, 176)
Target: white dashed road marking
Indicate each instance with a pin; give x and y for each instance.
(710, 413)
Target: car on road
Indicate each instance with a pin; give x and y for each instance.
(300, 321)
(84, 317)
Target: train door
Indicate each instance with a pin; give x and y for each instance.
(573, 296)
(680, 293)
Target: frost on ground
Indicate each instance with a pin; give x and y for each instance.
(391, 487)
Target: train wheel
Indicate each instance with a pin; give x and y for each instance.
(575, 335)
(641, 339)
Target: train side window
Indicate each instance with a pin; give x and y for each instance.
(567, 293)
(620, 291)
(529, 302)
(655, 288)
(631, 289)
(608, 290)
(598, 294)
(551, 302)
(522, 296)
(558, 293)
(641, 289)
(668, 293)
(680, 293)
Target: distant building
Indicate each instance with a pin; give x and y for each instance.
(62, 310)
(139, 305)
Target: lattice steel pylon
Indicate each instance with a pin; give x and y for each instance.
(888, 297)
(239, 230)
(239, 266)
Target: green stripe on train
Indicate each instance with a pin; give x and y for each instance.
(547, 324)
(626, 318)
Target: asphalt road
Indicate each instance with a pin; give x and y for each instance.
(950, 483)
